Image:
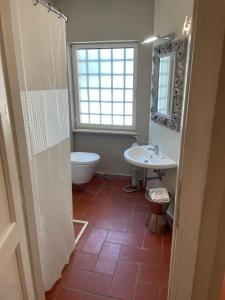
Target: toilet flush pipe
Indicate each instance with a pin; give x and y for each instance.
(85, 223)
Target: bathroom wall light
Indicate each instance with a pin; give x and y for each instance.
(154, 38)
(150, 39)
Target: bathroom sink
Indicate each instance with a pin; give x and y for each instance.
(145, 157)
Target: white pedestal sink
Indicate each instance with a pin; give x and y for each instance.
(145, 157)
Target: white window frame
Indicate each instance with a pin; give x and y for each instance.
(75, 88)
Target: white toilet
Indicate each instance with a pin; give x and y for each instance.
(83, 166)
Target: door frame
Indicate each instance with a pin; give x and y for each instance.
(198, 118)
(17, 124)
(13, 240)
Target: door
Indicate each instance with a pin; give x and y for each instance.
(16, 281)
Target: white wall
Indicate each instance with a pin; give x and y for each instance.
(169, 17)
(99, 20)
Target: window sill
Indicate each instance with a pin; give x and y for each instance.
(114, 132)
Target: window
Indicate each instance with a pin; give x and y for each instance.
(104, 85)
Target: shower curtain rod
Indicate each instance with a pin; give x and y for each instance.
(51, 8)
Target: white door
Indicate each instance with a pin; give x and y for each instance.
(16, 282)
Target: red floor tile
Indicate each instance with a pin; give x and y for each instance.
(95, 297)
(163, 293)
(89, 202)
(153, 242)
(124, 280)
(141, 194)
(166, 261)
(141, 209)
(50, 295)
(113, 204)
(167, 235)
(116, 258)
(125, 238)
(127, 199)
(137, 223)
(119, 211)
(141, 256)
(66, 294)
(77, 228)
(84, 194)
(78, 211)
(103, 194)
(166, 253)
(83, 261)
(95, 241)
(112, 224)
(167, 243)
(154, 275)
(223, 291)
(118, 184)
(81, 243)
(108, 258)
(96, 283)
(94, 212)
(146, 292)
(107, 213)
(135, 200)
(95, 185)
(90, 227)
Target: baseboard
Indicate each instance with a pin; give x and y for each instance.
(112, 176)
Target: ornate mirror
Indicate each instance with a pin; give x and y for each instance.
(169, 61)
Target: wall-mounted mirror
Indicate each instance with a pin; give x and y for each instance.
(169, 62)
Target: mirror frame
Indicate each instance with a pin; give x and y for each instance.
(177, 47)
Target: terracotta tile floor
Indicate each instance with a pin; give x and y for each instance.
(116, 258)
(223, 290)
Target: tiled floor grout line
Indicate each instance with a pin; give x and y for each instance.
(160, 293)
(131, 218)
(117, 263)
(86, 208)
(142, 246)
(162, 253)
(85, 293)
(152, 284)
(136, 282)
(126, 222)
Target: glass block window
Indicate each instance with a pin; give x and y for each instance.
(104, 85)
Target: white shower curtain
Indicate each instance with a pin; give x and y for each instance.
(41, 58)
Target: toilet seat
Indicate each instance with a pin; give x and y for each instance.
(84, 158)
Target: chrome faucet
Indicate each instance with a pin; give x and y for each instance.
(155, 148)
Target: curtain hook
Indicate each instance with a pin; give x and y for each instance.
(67, 19)
(35, 3)
(60, 14)
(49, 7)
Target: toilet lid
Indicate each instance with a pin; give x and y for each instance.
(84, 158)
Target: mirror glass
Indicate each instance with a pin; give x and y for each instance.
(165, 84)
